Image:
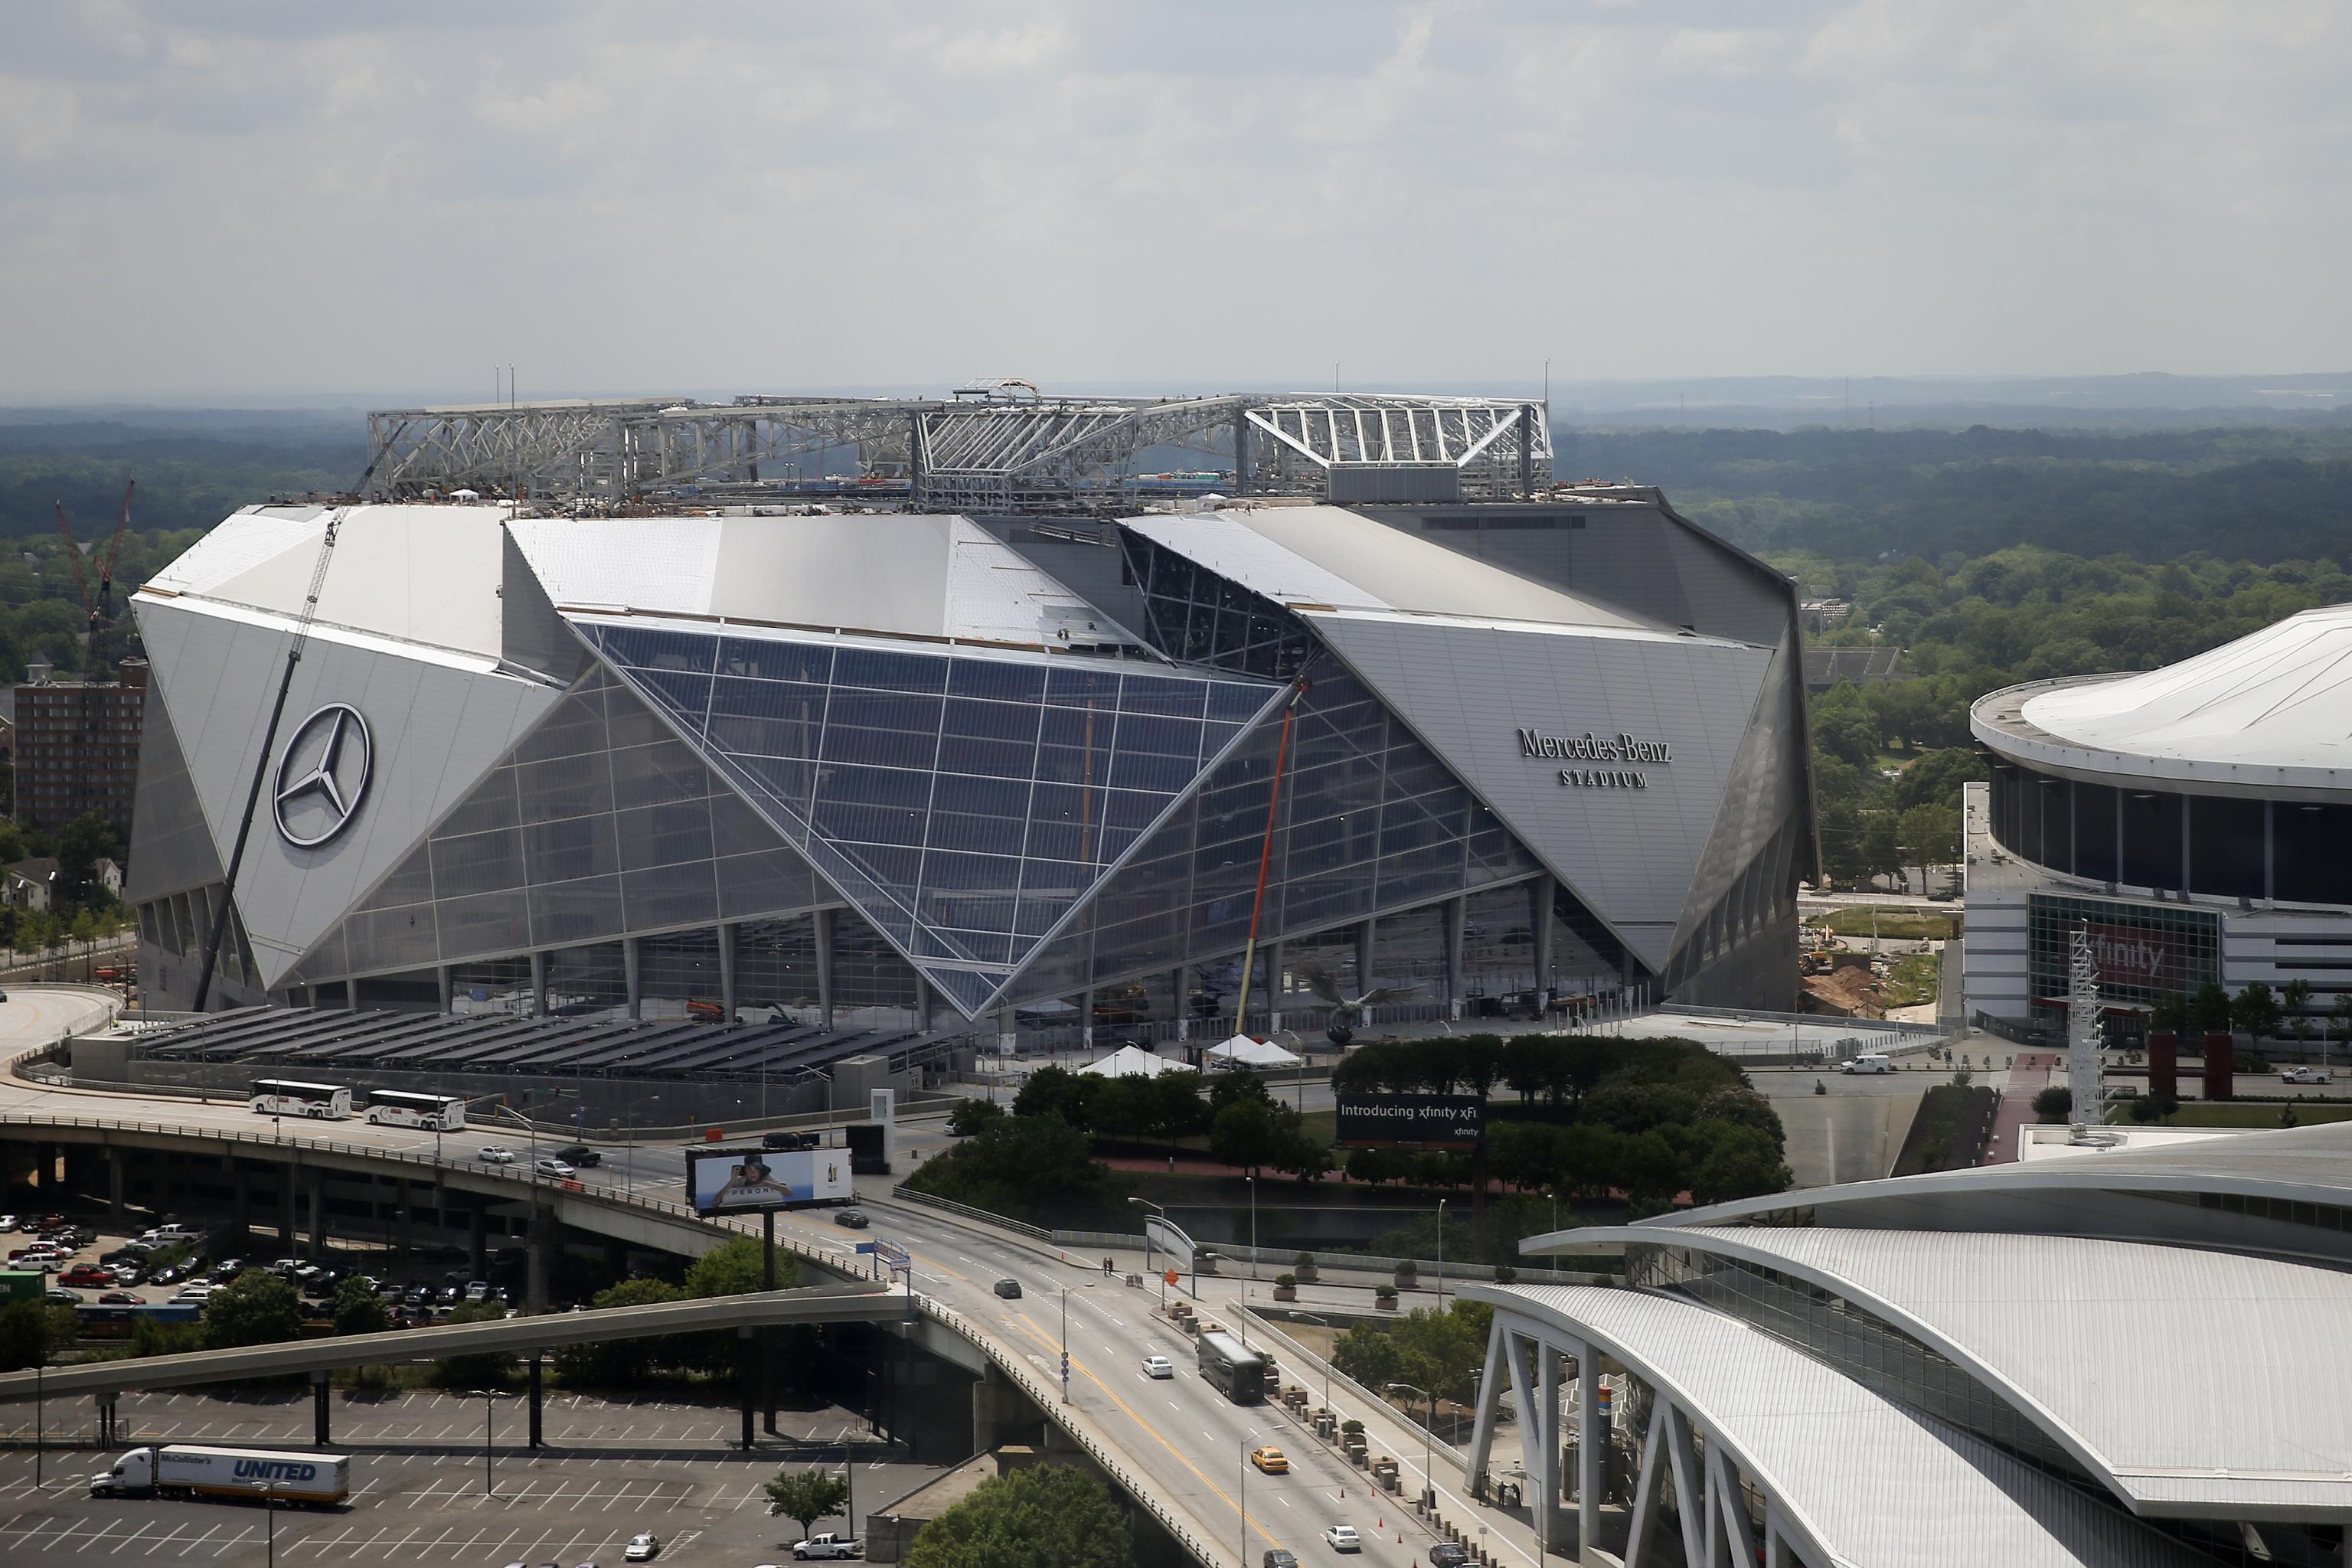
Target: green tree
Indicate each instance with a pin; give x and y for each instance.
(1251, 1134)
(2054, 1104)
(806, 1496)
(2295, 997)
(735, 1267)
(86, 840)
(1041, 1516)
(2256, 1010)
(358, 1310)
(1056, 1091)
(971, 1115)
(1930, 832)
(1738, 1161)
(1027, 1167)
(618, 1363)
(24, 1335)
(256, 1308)
(1441, 1352)
(2209, 1010)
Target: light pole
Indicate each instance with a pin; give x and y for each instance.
(1441, 1260)
(1193, 1273)
(268, 1492)
(1066, 1344)
(1241, 1493)
(1428, 1444)
(490, 1398)
(1253, 1187)
(40, 1423)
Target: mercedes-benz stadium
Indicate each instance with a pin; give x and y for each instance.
(946, 771)
(2196, 821)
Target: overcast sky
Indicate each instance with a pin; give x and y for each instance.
(253, 197)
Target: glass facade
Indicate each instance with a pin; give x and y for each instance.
(1196, 616)
(2145, 951)
(1370, 822)
(600, 822)
(964, 801)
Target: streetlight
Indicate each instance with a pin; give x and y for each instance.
(1193, 1273)
(40, 1424)
(1311, 1318)
(1241, 1491)
(1441, 1262)
(1428, 1444)
(268, 1490)
(490, 1398)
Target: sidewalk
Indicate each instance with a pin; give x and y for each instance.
(2028, 1077)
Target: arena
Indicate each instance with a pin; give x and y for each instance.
(2195, 820)
(750, 757)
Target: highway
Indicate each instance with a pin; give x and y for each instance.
(1178, 1432)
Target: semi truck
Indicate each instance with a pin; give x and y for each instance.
(183, 1470)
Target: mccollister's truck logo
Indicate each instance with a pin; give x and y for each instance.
(1591, 747)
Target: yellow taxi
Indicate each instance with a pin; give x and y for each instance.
(1270, 1460)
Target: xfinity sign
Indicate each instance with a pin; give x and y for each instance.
(1412, 1120)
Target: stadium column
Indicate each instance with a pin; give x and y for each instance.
(1086, 1019)
(538, 1389)
(1273, 987)
(822, 921)
(240, 1181)
(321, 1408)
(539, 985)
(1241, 452)
(1528, 450)
(1180, 979)
(1540, 902)
(1455, 915)
(922, 1005)
(287, 1176)
(475, 1241)
(743, 1380)
(727, 973)
(768, 1335)
(351, 996)
(114, 1182)
(446, 983)
(539, 1244)
(1366, 933)
(403, 1217)
(318, 1196)
(630, 954)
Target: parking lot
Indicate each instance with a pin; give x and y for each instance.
(612, 1468)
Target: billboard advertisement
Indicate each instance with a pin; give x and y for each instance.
(1412, 1120)
(737, 1180)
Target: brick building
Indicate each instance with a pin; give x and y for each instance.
(78, 746)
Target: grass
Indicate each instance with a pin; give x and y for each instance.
(2246, 1113)
(1893, 922)
(1911, 982)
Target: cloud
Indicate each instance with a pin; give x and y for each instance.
(268, 196)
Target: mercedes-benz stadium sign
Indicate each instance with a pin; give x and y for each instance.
(323, 776)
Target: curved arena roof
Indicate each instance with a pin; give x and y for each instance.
(2272, 709)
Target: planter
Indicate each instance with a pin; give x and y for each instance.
(1386, 1303)
(1407, 1278)
(1285, 1292)
(1303, 1267)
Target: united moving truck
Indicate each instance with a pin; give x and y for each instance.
(182, 1471)
(21, 1285)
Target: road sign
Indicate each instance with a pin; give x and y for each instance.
(889, 1252)
(1170, 1276)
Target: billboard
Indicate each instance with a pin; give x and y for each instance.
(1410, 1120)
(1164, 1235)
(733, 1181)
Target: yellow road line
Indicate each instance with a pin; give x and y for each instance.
(1055, 1345)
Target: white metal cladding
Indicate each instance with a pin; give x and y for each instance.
(2196, 1382)
(1466, 689)
(436, 729)
(1868, 1481)
(2272, 707)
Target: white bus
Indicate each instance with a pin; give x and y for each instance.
(434, 1112)
(281, 1096)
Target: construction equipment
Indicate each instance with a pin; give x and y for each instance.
(99, 607)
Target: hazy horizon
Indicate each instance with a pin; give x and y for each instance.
(270, 200)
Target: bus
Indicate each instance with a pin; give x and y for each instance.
(1233, 1368)
(282, 1097)
(434, 1112)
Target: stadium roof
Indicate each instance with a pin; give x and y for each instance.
(2038, 1319)
(1869, 1480)
(2272, 709)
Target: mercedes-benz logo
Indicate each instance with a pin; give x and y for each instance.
(323, 776)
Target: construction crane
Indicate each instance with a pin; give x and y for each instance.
(99, 607)
(268, 746)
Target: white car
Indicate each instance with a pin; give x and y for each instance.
(495, 1154)
(2303, 1075)
(8, 1222)
(1159, 1366)
(552, 1167)
(641, 1549)
(1342, 1538)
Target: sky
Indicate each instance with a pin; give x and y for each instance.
(256, 198)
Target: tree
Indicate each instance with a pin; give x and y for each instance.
(2256, 1010)
(614, 1364)
(24, 1335)
(358, 1310)
(2209, 1010)
(2055, 1103)
(1056, 1091)
(971, 1115)
(256, 1308)
(806, 1496)
(1248, 1134)
(87, 839)
(1040, 1514)
(1739, 1162)
(2295, 995)
(1028, 1167)
(1931, 832)
(735, 1267)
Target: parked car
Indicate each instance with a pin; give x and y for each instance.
(1159, 1366)
(1009, 1289)
(56, 1298)
(854, 1218)
(581, 1155)
(86, 1274)
(641, 1548)
(478, 1291)
(8, 1222)
(1342, 1538)
(556, 1168)
(1449, 1554)
(2303, 1075)
(227, 1269)
(827, 1544)
(495, 1154)
(122, 1299)
(791, 1140)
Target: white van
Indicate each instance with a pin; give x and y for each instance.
(1869, 1062)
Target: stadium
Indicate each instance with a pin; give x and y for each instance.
(991, 736)
(2195, 819)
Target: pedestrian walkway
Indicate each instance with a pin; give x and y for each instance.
(2028, 1077)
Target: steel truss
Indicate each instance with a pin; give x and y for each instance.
(1710, 1493)
(992, 453)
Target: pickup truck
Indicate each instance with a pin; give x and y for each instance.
(2303, 1075)
(827, 1544)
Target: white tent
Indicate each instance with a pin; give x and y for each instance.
(1243, 1052)
(1130, 1061)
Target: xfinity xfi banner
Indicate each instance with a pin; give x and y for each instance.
(1412, 1120)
